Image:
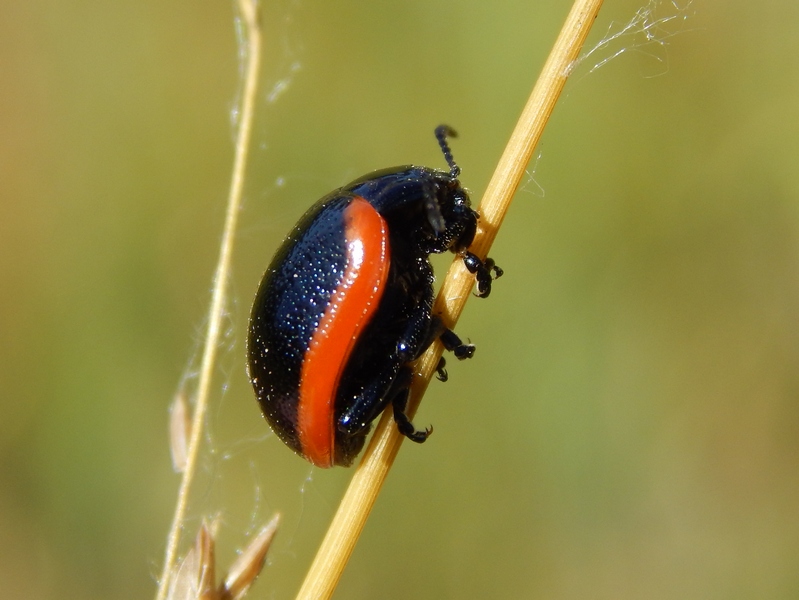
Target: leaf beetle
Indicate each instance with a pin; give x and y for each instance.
(346, 306)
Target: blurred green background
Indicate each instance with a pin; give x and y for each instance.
(629, 427)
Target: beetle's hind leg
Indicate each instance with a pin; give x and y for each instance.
(400, 388)
(441, 370)
(369, 402)
(399, 402)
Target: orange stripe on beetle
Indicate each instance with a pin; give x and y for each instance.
(351, 306)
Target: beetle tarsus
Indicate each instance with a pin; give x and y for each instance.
(455, 345)
(404, 425)
(441, 371)
(484, 271)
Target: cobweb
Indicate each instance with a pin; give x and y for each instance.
(647, 33)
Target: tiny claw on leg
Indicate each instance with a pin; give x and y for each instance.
(404, 425)
(484, 272)
(441, 372)
(453, 343)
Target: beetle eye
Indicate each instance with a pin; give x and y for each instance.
(433, 208)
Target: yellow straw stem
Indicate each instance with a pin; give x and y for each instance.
(250, 16)
(343, 533)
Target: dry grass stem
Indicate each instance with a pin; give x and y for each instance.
(251, 18)
(339, 542)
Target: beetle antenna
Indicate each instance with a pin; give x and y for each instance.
(442, 132)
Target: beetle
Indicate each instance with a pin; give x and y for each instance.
(346, 305)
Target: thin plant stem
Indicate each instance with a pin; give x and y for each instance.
(251, 18)
(342, 535)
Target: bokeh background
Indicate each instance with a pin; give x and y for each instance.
(629, 427)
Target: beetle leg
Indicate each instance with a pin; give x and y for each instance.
(420, 331)
(399, 402)
(441, 372)
(454, 344)
(450, 341)
(484, 272)
(364, 407)
(370, 402)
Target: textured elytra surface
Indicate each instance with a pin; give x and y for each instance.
(288, 307)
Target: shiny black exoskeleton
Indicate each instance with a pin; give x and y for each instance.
(346, 306)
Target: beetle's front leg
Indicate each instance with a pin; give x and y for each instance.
(485, 271)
